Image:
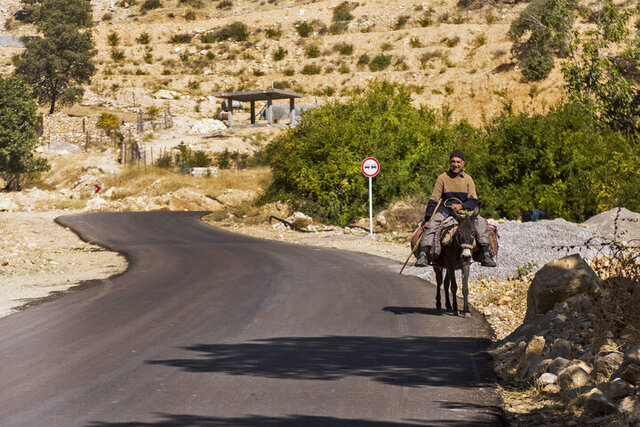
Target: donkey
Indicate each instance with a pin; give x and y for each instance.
(457, 255)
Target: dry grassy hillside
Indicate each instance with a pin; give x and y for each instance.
(451, 55)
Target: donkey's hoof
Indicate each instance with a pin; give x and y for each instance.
(467, 314)
(439, 307)
(455, 312)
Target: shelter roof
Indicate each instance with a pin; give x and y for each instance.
(259, 95)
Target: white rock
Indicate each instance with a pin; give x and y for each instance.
(548, 378)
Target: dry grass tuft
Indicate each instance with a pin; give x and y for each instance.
(154, 181)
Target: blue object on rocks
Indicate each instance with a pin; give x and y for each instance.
(535, 215)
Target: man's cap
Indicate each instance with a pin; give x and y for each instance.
(456, 153)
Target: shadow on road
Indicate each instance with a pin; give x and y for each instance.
(414, 310)
(407, 361)
(170, 420)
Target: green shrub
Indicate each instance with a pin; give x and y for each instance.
(143, 38)
(345, 49)
(344, 69)
(223, 160)
(279, 54)
(538, 64)
(380, 62)
(208, 38)
(415, 42)
(108, 122)
(117, 55)
(364, 59)
(224, 4)
(180, 38)
(236, 31)
(289, 72)
(311, 69)
(451, 41)
(342, 12)
(198, 4)
(191, 159)
(338, 28)
(402, 21)
(283, 84)
(312, 51)
(113, 39)
(480, 40)
(274, 33)
(164, 161)
(304, 29)
(425, 21)
(190, 15)
(150, 5)
(563, 161)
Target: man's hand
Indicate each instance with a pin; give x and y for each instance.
(456, 207)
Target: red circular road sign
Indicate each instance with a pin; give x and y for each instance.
(370, 167)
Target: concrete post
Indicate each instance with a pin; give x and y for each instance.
(230, 113)
(292, 110)
(269, 111)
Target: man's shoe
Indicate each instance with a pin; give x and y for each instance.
(487, 260)
(422, 260)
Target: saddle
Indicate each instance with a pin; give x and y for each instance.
(446, 237)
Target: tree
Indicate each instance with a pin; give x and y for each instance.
(76, 12)
(603, 72)
(17, 134)
(109, 123)
(547, 25)
(73, 12)
(57, 65)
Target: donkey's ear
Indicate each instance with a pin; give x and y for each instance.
(475, 212)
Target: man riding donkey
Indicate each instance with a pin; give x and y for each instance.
(453, 185)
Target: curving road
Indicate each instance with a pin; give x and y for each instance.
(209, 328)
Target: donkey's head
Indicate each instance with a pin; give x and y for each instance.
(466, 231)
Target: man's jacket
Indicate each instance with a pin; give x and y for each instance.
(450, 186)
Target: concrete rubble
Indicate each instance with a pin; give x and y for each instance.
(577, 351)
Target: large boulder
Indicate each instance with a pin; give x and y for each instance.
(617, 224)
(558, 281)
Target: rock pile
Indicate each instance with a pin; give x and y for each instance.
(206, 126)
(581, 350)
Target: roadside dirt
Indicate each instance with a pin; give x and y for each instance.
(39, 258)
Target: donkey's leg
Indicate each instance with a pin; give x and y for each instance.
(454, 289)
(447, 283)
(438, 272)
(465, 286)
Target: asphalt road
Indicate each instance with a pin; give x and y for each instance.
(208, 328)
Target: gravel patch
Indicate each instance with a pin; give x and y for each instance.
(528, 245)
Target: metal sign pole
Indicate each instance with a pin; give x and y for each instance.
(370, 209)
